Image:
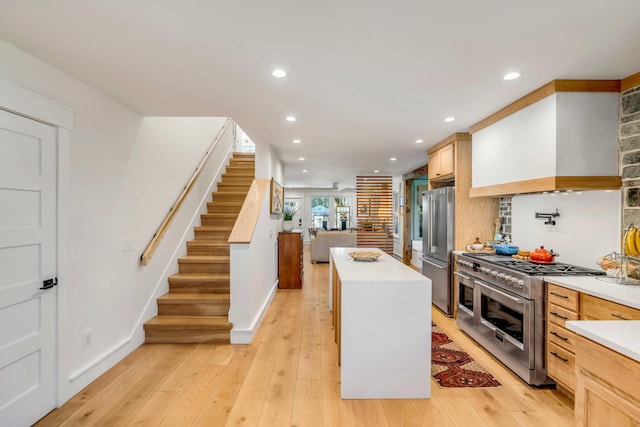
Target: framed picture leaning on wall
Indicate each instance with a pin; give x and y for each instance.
(277, 197)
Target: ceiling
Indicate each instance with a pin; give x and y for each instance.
(366, 79)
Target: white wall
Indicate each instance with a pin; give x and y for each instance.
(124, 172)
(588, 225)
(253, 288)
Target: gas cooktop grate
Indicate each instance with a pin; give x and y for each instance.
(533, 269)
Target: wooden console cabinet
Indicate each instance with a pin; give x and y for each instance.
(290, 265)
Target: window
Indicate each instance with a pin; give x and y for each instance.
(320, 212)
(331, 212)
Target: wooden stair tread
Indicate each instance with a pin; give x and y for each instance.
(206, 243)
(230, 193)
(214, 227)
(199, 277)
(204, 258)
(232, 203)
(220, 215)
(179, 298)
(189, 322)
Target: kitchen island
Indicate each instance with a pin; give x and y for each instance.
(382, 319)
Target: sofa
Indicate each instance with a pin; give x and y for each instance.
(323, 240)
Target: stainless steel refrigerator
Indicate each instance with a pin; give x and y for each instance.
(437, 244)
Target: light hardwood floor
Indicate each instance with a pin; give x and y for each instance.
(289, 376)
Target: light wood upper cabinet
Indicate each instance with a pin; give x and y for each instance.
(450, 164)
(559, 137)
(442, 163)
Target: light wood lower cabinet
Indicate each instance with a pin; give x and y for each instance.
(562, 305)
(594, 308)
(606, 388)
(566, 304)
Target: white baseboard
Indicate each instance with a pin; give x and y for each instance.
(245, 336)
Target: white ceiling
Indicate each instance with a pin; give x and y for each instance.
(366, 78)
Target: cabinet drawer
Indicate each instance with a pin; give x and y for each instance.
(562, 337)
(561, 366)
(563, 297)
(598, 309)
(560, 315)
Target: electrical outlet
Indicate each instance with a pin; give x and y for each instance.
(86, 338)
(127, 244)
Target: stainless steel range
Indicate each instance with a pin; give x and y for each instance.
(501, 305)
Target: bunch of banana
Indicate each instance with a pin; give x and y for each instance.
(632, 242)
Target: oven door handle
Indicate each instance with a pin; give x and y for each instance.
(492, 289)
(464, 276)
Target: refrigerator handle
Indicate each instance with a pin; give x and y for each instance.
(434, 219)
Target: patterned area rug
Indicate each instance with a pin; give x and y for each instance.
(453, 367)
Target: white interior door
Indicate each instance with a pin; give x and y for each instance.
(27, 258)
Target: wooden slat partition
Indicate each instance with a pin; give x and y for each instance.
(146, 256)
(374, 207)
(249, 213)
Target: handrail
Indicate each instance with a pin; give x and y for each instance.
(249, 213)
(146, 256)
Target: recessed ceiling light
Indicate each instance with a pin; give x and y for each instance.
(511, 76)
(300, 158)
(449, 119)
(279, 73)
(291, 118)
(419, 141)
(376, 171)
(393, 159)
(296, 141)
(304, 170)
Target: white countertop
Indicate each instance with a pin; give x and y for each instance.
(384, 269)
(622, 336)
(628, 295)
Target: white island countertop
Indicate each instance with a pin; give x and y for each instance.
(622, 336)
(384, 269)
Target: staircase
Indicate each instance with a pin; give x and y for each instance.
(197, 306)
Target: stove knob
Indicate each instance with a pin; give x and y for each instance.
(502, 276)
(494, 273)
